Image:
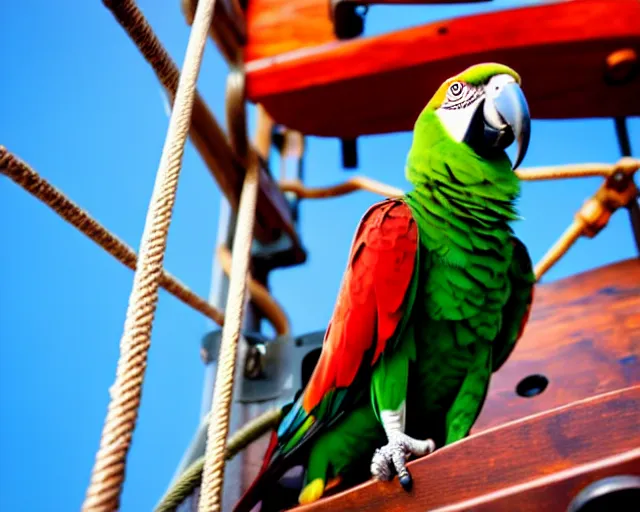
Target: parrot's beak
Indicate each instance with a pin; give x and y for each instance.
(511, 106)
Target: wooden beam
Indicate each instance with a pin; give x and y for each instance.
(538, 463)
(278, 26)
(380, 84)
(273, 217)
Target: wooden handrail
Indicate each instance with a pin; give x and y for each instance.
(566, 448)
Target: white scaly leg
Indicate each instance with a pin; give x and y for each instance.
(394, 455)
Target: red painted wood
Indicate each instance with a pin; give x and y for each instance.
(380, 84)
(538, 463)
(278, 26)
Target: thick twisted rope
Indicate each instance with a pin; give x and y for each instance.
(213, 472)
(26, 177)
(22, 174)
(108, 472)
(192, 476)
(206, 134)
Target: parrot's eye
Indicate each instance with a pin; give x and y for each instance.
(460, 95)
(455, 90)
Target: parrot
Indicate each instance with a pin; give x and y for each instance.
(436, 294)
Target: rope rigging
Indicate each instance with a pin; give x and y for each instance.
(191, 477)
(213, 469)
(23, 175)
(108, 472)
(617, 191)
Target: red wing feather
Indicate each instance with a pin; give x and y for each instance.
(369, 304)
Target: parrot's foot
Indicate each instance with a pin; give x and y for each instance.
(394, 455)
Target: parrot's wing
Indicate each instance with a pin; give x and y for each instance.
(515, 313)
(370, 306)
(369, 310)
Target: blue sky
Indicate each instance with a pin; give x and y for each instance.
(83, 108)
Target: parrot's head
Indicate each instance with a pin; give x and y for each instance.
(483, 108)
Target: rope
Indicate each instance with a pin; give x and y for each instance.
(22, 174)
(108, 472)
(206, 134)
(352, 185)
(559, 172)
(228, 30)
(617, 191)
(532, 174)
(264, 129)
(559, 249)
(593, 216)
(27, 178)
(211, 494)
(192, 476)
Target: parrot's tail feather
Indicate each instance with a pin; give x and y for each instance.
(273, 442)
(252, 495)
(290, 417)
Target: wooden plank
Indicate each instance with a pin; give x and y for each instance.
(583, 336)
(574, 444)
(545, 493)
(380, 84)
(278, 26)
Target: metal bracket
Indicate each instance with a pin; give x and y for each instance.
(278, 368)
(210, 346)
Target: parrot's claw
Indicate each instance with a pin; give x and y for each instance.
(393, 456)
